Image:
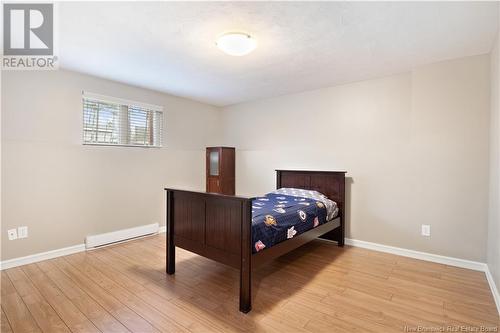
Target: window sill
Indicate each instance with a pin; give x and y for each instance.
(119, 145)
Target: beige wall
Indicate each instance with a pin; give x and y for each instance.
(494, 207)
(64, 191)
(415, 147)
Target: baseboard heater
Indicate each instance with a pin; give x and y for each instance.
(120, 235)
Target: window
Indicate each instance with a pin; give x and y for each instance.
(112, 121)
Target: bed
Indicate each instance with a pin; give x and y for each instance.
(245, 233)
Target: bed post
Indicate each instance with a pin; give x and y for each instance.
(341, 233)
(246, 258)
(170, 234)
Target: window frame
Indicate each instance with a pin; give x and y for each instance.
(129, 104)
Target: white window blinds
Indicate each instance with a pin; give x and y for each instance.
(113, 121)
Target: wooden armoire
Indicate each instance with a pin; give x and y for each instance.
(220, 170)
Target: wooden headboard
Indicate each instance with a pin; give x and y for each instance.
(330, 183)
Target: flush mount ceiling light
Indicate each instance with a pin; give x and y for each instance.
(236, 43)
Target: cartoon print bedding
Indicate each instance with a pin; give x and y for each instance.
(286, 213)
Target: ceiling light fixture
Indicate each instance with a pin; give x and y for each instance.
(236, 43)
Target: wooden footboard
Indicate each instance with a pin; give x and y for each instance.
(214, 226)
(219, 227)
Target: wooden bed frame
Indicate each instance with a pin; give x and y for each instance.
(219, 227)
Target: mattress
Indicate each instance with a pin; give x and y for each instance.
(287, 213)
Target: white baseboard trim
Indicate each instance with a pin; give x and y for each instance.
(493, 287)
(162, 229)
(469, 264)
(120, 235)
(41, 256)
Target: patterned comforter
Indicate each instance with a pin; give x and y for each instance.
(286, 213)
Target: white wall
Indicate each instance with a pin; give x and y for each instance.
(493, 255)
(64, 191)
(415, 147)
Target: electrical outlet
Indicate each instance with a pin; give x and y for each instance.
(22, 232)
(12, 234)
(426, 230)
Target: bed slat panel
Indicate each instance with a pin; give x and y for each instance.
(190, 212)
(223, 225)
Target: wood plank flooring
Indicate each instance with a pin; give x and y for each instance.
(317, 288)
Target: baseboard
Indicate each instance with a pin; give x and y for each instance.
(120, 235)
(493, 287)
(162, 229)
(469, 264)
(41, 256)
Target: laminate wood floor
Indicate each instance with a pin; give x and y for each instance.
(317, 288)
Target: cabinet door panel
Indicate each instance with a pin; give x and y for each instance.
(213, 184)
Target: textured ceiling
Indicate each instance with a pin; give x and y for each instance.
(169, 46)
